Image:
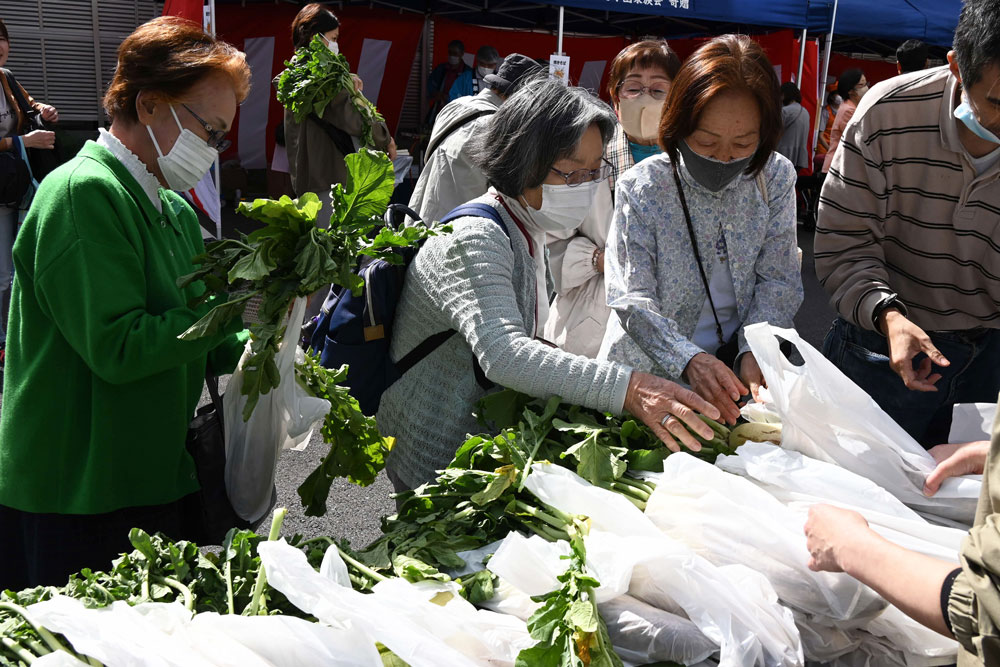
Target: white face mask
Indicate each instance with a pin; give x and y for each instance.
(188, 161)
(333, 46)
(640, 117)
(965, 113)
(563, 207)
(483, 71)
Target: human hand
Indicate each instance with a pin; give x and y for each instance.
(830, 532)
(39, 139)
(906, 341)
(359, 85)
(967, 458)
(662, 406)
(391, 150)
(49, 113)
(714, 381)
(751, 375)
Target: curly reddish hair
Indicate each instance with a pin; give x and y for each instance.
(169, 55)
(724, 64)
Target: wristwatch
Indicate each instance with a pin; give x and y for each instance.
(884, 304)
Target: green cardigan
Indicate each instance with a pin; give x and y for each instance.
(98, 390)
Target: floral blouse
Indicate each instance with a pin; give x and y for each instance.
(653, 283)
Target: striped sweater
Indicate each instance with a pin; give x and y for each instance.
(904, 211)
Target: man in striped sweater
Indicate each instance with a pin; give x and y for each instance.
(908, 236)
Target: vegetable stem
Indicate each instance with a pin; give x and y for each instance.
(46, 636)
(180, 588)
(540, 514)
(360, 567)
(627, 490)
(20, 652)
(254, 608)
(547, 533)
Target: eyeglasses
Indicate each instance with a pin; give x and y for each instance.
(216, 138)
(631, 90)
(581, 176)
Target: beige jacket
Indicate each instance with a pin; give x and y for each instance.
(974, 604)
(315, 161)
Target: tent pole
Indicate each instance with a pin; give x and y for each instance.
(562, 16)
(825, 68)
(802, 58)
(218, 177)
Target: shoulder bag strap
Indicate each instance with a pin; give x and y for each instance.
(697, 254)
(213, 390)
(15, 90)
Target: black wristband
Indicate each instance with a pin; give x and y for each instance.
(887, 302)
(946, 587)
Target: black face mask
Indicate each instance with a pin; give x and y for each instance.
(711, 174)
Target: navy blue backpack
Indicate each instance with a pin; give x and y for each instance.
(357, 330)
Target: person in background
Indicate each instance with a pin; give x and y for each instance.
(99, 390)
(911, 56)
(826, 119)
(317, 146)
(638, 83)
(906, 244)
(794, 142)
(542, 153)
(962, 603)
(449, 177)
(14, 123)
(442, 78)
(471, 81)
(703, 238)
(851, 86)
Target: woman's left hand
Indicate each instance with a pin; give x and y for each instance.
(830, 531)
(49, 113)
(359, 85)
(751, 375)
(391, 150)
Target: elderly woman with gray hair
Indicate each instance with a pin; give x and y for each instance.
(543, 155)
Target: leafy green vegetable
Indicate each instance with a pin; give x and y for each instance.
(357, 449)
(313, 77)
(291, 256)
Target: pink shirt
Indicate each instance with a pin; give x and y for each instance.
(844, 115)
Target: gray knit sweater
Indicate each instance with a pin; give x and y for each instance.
(482, 285)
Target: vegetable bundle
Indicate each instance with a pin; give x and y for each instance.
(313, 77)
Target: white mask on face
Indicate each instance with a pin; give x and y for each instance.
(188, 161)
(333, 46)
(563, 207)
(483, 71)
(640, 117)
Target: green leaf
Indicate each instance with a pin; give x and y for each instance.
(252, 267)
(582, 615)
(217, 319)
(650, 460)
(370, 182)
(502, 481)
(414, 570)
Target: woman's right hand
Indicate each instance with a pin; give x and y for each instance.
(968, 458)
(717, 383)
(39, 139)
(662, 406)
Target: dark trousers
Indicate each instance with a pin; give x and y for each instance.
(44, 549)
(972, 377)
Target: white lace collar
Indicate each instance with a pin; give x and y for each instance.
(149, 183)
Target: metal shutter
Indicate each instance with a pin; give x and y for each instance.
(64, 51)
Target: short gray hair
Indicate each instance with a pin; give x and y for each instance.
(540, 124)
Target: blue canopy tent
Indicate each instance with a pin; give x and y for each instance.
(932, 21)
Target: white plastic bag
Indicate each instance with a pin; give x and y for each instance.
(972, 421)
(283, 419)
(735, 607)
(729, 520)
(421, 633)
(643, 634)
(800, 482)
(827, 417)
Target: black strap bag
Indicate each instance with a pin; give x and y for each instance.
(15, 177)
(212, 515)
(43, 160)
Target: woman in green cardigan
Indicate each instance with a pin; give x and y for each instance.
(98, 390)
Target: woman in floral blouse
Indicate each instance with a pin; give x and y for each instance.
(703, 238)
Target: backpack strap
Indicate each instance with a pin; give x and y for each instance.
(417, 354)
(453, 128)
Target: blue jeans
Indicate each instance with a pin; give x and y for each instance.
(972, 377)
